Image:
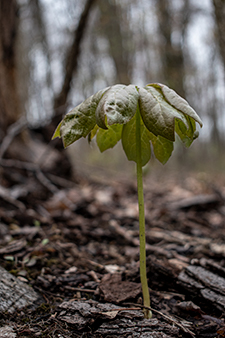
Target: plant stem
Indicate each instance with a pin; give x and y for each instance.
(143, 274)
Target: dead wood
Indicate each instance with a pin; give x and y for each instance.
(103, 320)
(7, 332)
(207, 286)
(203, 201)
(14, 294)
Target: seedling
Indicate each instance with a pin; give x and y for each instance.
(136, 116)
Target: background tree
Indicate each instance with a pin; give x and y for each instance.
(10, 106)
(219, 9)
(72, 55)
(55, 54)
(172, 26)
(115, 28)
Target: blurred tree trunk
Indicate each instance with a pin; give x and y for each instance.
(111, 25)
(73, 54)
(216, 136)
(70, 68)
(10, 108)
(219, 9)
(23, 147)
(10, 100)
(172, 33)
(172, 26)
(41, 36)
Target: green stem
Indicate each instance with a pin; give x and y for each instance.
(143, 274)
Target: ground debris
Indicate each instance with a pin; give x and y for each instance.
(204, 284)
(115, 290)
(200, 201)
(79, 248)
(109, 319)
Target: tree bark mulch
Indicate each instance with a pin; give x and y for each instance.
(69, 258)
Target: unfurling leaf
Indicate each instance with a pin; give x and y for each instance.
(178, 102)
(111, 114)
(118, 105)
(79, 121)
(187, 135)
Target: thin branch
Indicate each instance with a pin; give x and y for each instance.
(12, 131)
(45, 181)
(31, 167)
(5, 194)
(39, 175)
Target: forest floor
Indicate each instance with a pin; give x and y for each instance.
(78, 248)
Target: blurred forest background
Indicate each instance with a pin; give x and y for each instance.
(56, 53)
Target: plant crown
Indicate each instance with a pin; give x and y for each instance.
(110, 116)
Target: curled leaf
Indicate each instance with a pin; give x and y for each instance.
(157, 114)
(79, 121)
(118, 105)
(160, 106)
(187, 135)
(178, 102)
(110, 115)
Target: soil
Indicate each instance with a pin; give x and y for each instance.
(77, 246)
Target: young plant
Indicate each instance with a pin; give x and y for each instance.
(137, 116)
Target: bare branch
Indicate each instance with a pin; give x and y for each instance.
(12, 131)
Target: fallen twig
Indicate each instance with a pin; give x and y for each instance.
(71, 288)
(7, 196)
(30, 167)
(12, 131)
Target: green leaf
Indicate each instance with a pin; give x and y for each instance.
(79, 121)
(162, 147)
(176, 101)
(92, 133)
(108, 138)
(187, 136)
(158, 115)
(117, 106)
(57, 131)
(129, 141)
(111, 112)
